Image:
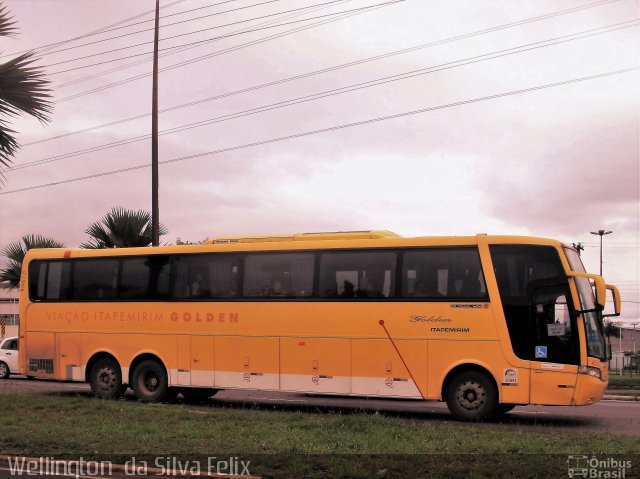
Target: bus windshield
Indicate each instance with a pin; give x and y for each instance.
(596, 343)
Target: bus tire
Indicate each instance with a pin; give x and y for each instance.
(4, 370)
(472, 396)
(106, 379)
(150, 381)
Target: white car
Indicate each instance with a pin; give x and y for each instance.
(8, 357)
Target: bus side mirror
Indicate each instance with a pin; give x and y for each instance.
(617, 304)
(600, 287)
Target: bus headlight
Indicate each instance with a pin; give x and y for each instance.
(590, 371)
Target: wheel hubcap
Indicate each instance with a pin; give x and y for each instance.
(151, 381)
(106, 379)
(471, 395)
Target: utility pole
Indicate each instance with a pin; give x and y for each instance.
(634, 336)
(601, 233)
(155, 183)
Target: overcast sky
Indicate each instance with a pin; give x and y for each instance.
(559, 161)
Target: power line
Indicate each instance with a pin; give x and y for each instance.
(220, 37)
(169, 25)
(163, 17)
(201, 17)
(332, 128)
(337, 91)
(220, 52)
(180, 50)
(324, 70)
(95, 32)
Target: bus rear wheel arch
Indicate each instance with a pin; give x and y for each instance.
(149, 380)
(105, 378)
(471, 394)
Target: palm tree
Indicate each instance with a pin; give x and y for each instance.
(10, 277)
(610, 329)
(23, 89)
(121, 228)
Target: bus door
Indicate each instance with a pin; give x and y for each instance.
(534, 292)
(554, 346)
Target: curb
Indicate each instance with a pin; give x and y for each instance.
(608, 397)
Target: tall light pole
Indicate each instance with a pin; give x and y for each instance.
(155, 184)
(601, 233)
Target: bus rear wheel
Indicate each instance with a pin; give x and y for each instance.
(106, 379)
(472, 396)
(150, 381)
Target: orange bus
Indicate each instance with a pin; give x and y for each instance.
(484, 323)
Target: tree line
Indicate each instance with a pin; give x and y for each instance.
(119, 228)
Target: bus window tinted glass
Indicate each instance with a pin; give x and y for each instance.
(278, 275)
(49, 280)
(451, 273)
(58, 280)
(95, 279)
(206, 276)
(37, 279)
(145, 278)
(360, 275)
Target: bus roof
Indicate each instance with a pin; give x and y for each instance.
(331, 235)
(299, 241)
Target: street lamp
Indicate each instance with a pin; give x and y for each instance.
(601, 233)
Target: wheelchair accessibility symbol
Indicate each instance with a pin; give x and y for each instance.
(541, 352)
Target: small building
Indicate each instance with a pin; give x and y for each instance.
(628, 342)
(9, 316)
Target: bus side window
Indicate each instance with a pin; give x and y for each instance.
(278, 275)
(443, 273)
(206, 276)
(360, 275)
(49, 280)
(223, 275)
(95, 279)
(145, 277)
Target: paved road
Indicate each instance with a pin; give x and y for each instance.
(619, 417)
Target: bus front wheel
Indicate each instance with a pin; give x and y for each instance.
(106, 379)
(150, 381)
(472, 396)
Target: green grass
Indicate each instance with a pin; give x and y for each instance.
(626, 381)
(288, 443)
